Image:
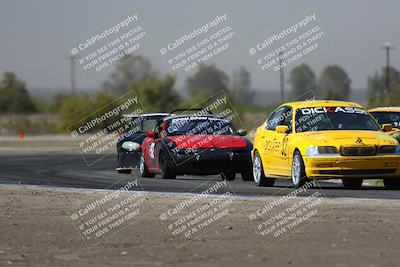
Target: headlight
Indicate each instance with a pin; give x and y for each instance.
(314, 151)
(128, 145)
(390, 150)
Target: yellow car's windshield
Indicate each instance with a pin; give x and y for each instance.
(334, 118)
(387, 118)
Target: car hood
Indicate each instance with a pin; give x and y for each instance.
(345, 138)
(208, 141)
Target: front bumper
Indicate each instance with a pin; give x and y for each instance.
(367, 167)
(212, 161)
(128, 159)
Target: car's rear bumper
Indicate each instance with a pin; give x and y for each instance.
(367, 167)
(212, 161)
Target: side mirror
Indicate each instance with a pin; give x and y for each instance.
(282, 129)
(242, 132)
(386, 127)
(152, 134)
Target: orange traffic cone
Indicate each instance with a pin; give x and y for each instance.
(21, 134)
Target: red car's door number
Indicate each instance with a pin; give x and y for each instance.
(151, 150)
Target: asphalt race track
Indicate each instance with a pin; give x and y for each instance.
(68, 169)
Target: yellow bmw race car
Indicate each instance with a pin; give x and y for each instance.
(388, 115)
(325, 140)
(384, 115)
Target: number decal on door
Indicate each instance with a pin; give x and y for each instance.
(151, 150)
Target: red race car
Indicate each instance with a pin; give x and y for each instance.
(196, 145)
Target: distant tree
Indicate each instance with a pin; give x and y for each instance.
(104, 102)
(330, 94)
(394, 96)
(376, 85)
(74, 108)
(334, 83)
(241, 86)
(196, 101)
(157, 95)
(209, 79)
(14, 98)
(80, 108)
(302, 79)
(130, 69)
(56, 102)
(103, 99)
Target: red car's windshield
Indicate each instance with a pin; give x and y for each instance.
(199, 125)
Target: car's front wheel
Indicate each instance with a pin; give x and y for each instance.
(299, 177)
(144, 171)
(352, 183)
(167, 171)
(258, 172)
(392, 183)
(229, 176)
(247, 175)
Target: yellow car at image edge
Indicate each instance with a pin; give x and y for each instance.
(325, 139)
(388, 115)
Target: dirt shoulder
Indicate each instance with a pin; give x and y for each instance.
(36, 229)
(39, 142)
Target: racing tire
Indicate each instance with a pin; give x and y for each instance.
(144, 171)
(391, 183)
(299, 177)
(352, 183)
(229, 176)
(247, 175)
(167, 171)
(258, 172)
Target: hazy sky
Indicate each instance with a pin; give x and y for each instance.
(34, 33)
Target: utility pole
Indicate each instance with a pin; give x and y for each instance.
(282, 78)
(387, 46)
(72, 74)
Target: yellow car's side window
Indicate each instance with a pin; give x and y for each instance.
(281, 116)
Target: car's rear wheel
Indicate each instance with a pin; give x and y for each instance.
(167, 171)
(144, 171)
(392, 183)
(352, 183)
(258, 172)
(299, 177)
(229, 176)
(247, 175)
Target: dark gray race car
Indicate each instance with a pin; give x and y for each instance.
(129, 146)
